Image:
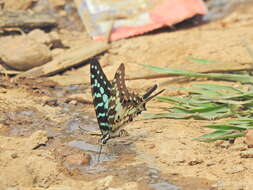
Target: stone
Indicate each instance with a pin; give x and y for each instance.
(51, 102)
(73, 102)
(210, 164)
(80, 98)
(195, 162)
(225, 144)
(247, 154)
(218, 143)
(239, 147)
(14, 155)
(22, 53)
(57, 51)
(36, 139)
(51, 39)
(78, 159)
(39, 36)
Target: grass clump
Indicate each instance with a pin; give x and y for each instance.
(211, 102)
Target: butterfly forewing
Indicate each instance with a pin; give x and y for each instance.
(100, 87)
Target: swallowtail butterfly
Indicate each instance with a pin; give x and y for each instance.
(115, 106)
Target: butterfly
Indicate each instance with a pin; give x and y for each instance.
(114, 105)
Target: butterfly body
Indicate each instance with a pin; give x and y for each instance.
(115, 106)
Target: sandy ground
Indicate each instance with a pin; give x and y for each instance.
(33, 151)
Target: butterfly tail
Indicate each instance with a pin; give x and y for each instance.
(149, 92)
(151, 97)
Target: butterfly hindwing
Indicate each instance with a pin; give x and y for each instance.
(116, 99)
(100, 87)
(125, 96)
(120, 85)
(122, 103)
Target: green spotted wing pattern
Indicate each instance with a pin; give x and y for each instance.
(100, 88)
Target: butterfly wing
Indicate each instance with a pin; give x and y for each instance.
(116, 99)
(119, 85)
(100, 87)
(122, 102)
(123, 105)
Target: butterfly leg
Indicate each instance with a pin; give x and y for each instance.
(123, 133)
(103, 141)
(93, 133)
(99, 151)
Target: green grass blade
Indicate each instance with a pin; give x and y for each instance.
(224, 127)
(217, 87)
(202, 61)
(185, 102)
(219, 76)
(220, 135)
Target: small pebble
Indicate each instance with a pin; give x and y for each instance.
(52, 102)
(73, 102)
(57, 51)
(14, 155)
(222, 144)
(195, 162)
(4, 91)
(219, 142)
(247, 154)
(39, 36)
(225, 144)
(158, 131)
(210, 164)
(238, 147)
(78, 159)
(151, 146)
